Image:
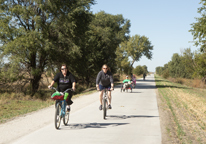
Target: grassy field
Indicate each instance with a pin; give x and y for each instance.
(182, 112)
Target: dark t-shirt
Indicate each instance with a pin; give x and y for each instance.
(64, 82)
(104, 79)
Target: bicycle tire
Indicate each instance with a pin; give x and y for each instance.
(66, 118)
(104, 108)
(57, 118)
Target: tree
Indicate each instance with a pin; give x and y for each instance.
(200, 65)
(198, 29)
(145, 69)
(36, 34)
(122, 59)
(187, 60)
(199, 34)
(138, 70)
(176, 66)
(137, 46)
(105, 33)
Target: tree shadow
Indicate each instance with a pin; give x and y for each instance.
(170, 86)
(92, 125)
(141, 86)
(118, 117)
(140, 80)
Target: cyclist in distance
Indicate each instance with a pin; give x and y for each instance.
(126, 83)
(134, 79)
(64, 81)
(105, 80)
(144, 75)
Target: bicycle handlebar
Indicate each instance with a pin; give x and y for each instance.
(62, 92)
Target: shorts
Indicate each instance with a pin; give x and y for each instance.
(101, 87)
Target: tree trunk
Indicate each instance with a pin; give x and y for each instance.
(35, 84)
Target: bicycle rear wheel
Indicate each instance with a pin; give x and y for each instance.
(57, 118)
(66, 118)
(104, 108)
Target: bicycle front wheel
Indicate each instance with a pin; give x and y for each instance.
(57, 118)
(104, 108)
(66, 118)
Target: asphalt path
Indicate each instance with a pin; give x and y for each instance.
(133, 119)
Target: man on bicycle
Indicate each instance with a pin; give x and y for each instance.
(64, 80)
(105, 80)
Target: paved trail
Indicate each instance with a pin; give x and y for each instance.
(134, 119)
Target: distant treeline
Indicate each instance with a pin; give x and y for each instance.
(186, 65)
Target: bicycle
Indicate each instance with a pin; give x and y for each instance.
(60, 107)
(126, 87)
(104, 101)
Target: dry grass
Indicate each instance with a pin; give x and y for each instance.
(13, 105)
(188, 108)
(196, 83)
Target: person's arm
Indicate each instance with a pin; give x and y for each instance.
(112, 82)
(73, 86)
(73, 81)
(98, 80)
(52, 83)
(54, 80)
(112, 86)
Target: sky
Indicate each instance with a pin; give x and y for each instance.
(165, 22)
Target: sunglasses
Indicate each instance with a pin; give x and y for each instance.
(63, 69)
(104, 68)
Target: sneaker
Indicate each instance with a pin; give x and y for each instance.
(100, 107)
(109, 107)
(68, 108)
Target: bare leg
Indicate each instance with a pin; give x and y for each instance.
(109, 97)
(100, 96)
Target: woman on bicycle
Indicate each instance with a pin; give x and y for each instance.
(64, 80)
(105, 80)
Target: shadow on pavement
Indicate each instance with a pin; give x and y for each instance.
(116, 117)
(92, 125)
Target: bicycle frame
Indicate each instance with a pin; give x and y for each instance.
(104, 101)
(63, 107)
(60, 110)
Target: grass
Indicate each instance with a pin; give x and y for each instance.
(187, 106)
(13, 105)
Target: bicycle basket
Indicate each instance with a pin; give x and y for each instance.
(57, 96)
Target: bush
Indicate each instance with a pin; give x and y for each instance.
(179, 80)
(166, 74)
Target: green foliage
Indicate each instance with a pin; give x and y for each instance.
(166, 74)
(138, 46)
(187, 59)
(138, 70)
(175, 66)
(37, 34)
(134, 48)
(200, 65)
(181, 66)
(198, 29)
(105, 33)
